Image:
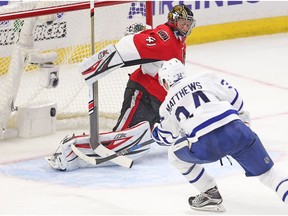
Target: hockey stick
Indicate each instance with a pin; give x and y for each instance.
(96, 161)
(94, 112)
(93, 93)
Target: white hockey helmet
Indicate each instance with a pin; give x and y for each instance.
(171, 71)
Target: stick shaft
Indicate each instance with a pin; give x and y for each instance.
(94, 114)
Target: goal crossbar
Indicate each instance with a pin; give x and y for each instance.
(56, 9)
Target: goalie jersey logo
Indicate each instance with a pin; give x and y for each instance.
(163, 35)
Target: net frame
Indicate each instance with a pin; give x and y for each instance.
(62, 7)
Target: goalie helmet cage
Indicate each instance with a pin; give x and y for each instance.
(61, 27)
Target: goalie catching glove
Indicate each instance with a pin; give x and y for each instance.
(133, 143)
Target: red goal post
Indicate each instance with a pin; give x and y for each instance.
(61, 8)
(69, 37)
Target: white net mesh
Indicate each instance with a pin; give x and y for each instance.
(69, 35)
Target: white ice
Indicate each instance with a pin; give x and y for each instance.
(256, 66)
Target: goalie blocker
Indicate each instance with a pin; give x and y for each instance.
(100, 64)
(123, 54)
(75, 152)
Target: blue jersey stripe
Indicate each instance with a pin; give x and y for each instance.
(163, 132)
(241, 106)
(211, 121)
(236, 97)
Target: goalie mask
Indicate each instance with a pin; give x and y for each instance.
(181, 18)
(171, 71)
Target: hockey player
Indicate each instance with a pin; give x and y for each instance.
(211, 114)
(143, 94)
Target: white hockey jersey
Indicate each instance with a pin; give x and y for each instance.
(196, 106)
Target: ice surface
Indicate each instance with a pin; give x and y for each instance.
(256, 66)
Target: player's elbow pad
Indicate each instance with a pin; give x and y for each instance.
(151, 68)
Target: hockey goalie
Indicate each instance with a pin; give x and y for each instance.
(121, 147)
(75, 152)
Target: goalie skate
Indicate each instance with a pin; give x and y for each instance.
(210, 200)
(64, 159)
(55, 161)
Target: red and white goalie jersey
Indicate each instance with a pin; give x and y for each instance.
(158, 44)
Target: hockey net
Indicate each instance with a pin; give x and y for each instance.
(70, 37)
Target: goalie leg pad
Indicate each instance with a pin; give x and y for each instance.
(133, 143)
(130, 142)
(65, 159)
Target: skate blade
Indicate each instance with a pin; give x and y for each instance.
(52, 163)
(211, 208)
(48, 160)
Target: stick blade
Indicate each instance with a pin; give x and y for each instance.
(120, 160)
(104, 153)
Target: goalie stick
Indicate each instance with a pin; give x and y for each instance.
(96, 161)
(97, 147)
